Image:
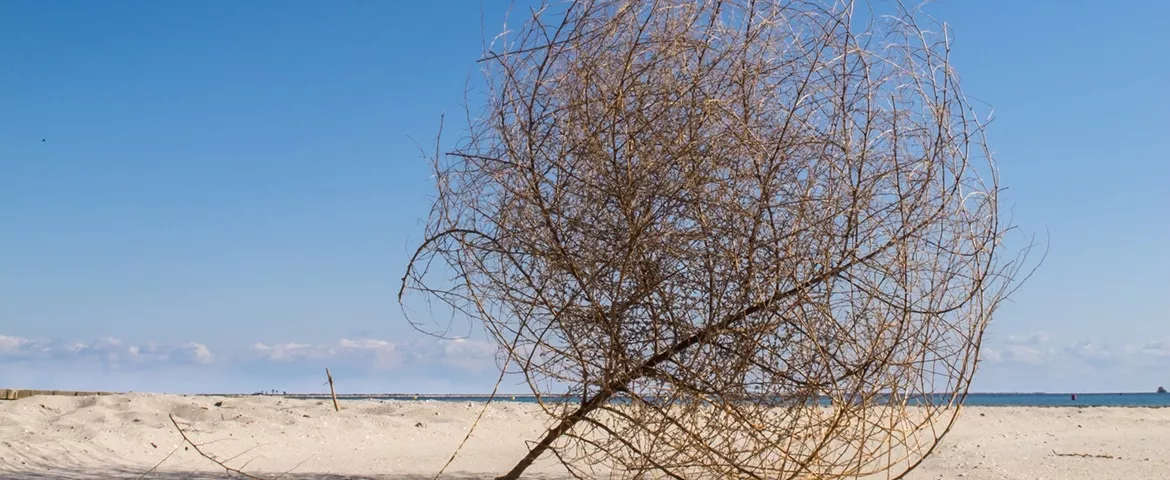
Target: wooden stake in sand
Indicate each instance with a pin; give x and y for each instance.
(332, 393)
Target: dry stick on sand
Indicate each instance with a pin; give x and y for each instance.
(203, 454)
(160, 462)
(222, 464)
(1084, 455)
(332, 392)
(228, 469)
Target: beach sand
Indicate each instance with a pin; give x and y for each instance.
(123, 436)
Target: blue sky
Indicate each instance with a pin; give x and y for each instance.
(227, 192)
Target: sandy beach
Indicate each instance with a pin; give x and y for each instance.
(124, 436)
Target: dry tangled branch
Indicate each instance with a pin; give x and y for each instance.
(746, 238)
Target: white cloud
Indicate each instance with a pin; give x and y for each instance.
(106, 350)
(1091, 352)
(1058, 363)
(199, 353)
(990, 355)
(12, 345)
(285, 352)
(1038, 361)
(1156, 348)
(465, 354)
(1024, 354)
(1013, 354)
(376, 353)
(1019, 349)
(1033, 349)
(1024, 357)
(1035, 338)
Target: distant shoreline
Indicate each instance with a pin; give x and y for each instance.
(486, 395)
(998, 399)
(555, 395)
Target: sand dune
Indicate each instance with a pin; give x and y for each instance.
(124, 436)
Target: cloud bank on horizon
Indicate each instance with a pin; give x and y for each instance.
(1036, 362)
(1015, 363)
(364, 365)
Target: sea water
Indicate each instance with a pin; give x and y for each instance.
(1066, 400)
(972, 399)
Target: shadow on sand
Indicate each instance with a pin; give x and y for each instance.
(27, 464)
(127, 474)
(66, 468)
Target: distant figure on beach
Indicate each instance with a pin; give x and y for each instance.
(1074, 397)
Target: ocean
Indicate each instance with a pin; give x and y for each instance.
(973, 399)
(1066, 400)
